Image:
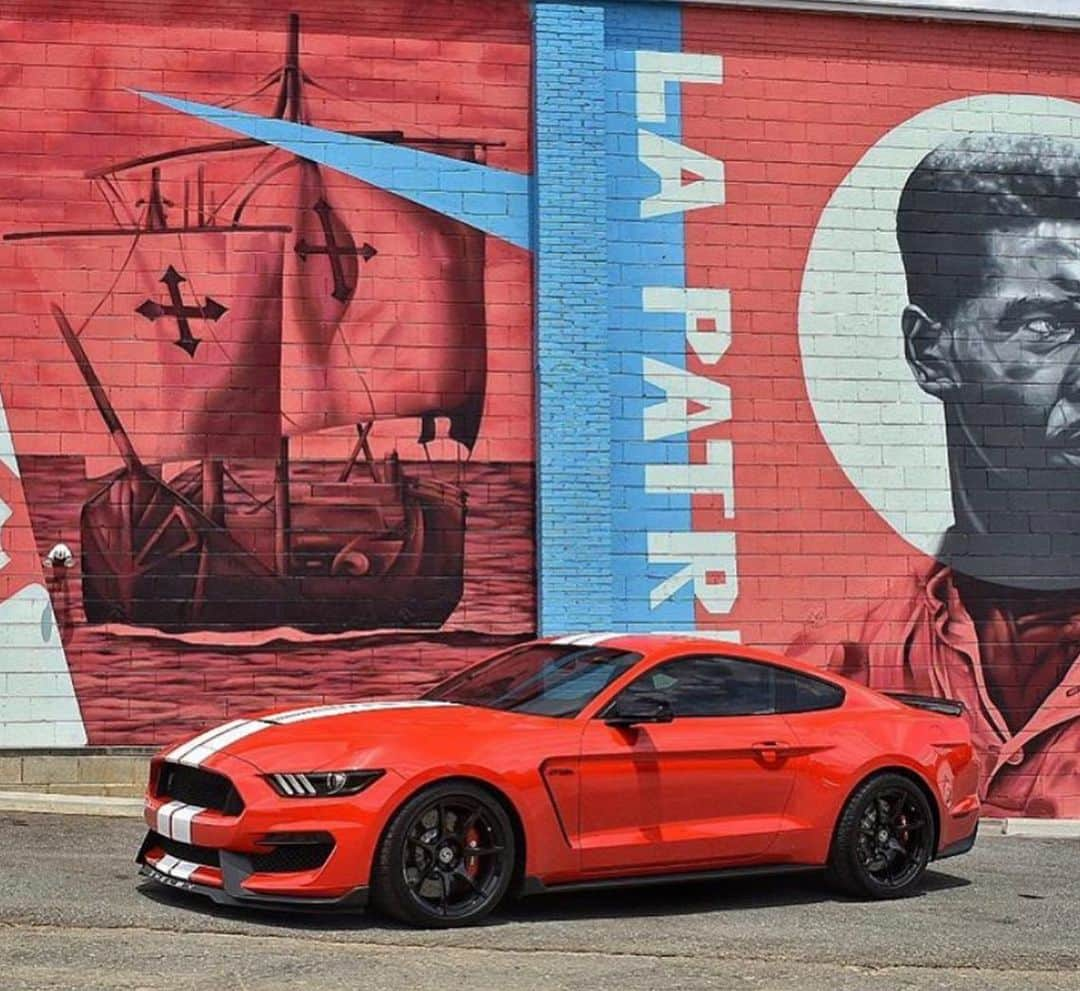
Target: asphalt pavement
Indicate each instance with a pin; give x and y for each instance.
(75, 915)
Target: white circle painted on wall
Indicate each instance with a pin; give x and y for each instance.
(888, 435)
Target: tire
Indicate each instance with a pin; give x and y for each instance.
(884, 839)
(447, 858)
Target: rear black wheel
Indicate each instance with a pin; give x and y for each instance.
(884, 839)
(447, 858)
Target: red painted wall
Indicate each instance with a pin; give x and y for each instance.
(181, 607)
(842, 462)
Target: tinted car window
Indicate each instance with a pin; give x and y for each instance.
(726, 686)
(799, 693)
(544, 679)
(709, 686)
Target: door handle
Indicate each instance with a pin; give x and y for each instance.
(770, 751)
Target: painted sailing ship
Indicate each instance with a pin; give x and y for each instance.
(243, 298)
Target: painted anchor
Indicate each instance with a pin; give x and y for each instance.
(335, 250)
(211, 309)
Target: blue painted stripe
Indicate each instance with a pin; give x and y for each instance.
(641, 252)
(491, 200)
(574, 471)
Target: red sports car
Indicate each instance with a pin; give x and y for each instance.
(570, 763)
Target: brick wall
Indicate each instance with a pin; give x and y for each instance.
(237, 298)
(574, 395)
(820, 442)
(756, 415)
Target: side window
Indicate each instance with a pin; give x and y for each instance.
(801, 693)
(710, 686)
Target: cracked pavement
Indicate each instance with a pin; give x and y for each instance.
(74, 914)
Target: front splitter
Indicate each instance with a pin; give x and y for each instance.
(353, 901)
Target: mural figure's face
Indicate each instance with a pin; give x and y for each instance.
(1016, 347)
(1007, 362)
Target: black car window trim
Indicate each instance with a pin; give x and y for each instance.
(606, 709)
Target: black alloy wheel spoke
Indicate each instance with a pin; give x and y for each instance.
(423, 876)
(468, 879)
(894, 848)
(482, 851)
(472, 819)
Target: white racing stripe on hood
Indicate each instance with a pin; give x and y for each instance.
(323, 711)
(198, 754)
(197, 750)
(179, 752)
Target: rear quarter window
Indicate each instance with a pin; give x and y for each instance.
(803, 693)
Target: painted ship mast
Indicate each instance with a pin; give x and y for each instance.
(288, 108)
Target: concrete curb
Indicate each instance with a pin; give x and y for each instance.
(1058, 829)
(76, 805)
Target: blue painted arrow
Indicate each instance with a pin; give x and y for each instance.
(492, 200)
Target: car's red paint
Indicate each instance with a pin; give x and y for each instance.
(594, 801)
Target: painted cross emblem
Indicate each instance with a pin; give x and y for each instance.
(335, 251)
(211, 309)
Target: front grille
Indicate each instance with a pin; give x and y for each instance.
(293, 857)
(196, 786)
(186, 851)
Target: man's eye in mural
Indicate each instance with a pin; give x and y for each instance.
(1047, 330)
(210, 309)
(1040, 324)
(338, 244)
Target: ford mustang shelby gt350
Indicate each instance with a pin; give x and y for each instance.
(575, 762)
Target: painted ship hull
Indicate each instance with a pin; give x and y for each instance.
(152, 557)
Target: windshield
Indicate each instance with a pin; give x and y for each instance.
(541, 679)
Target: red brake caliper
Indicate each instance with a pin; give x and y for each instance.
(472, 864)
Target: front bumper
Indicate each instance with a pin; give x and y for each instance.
(235, 858)
(226, 885)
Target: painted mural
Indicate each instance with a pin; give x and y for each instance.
(272, 418)
(855, 247)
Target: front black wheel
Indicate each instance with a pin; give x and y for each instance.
(447, 858)
(884, 839)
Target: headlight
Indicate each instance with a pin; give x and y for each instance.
(322, 784)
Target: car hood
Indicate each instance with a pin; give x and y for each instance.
(348, 736)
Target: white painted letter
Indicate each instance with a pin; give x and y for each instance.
(702, 308)
(669, 160)
(681, 387)
(708, 561)
(715, 477)
(654, 70)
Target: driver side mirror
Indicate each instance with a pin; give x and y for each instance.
(636, 709)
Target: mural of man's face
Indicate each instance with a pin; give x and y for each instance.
(1006, 363)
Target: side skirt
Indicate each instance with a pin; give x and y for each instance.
(534, 886)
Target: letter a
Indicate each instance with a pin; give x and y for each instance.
(682, 388)
(670, 160)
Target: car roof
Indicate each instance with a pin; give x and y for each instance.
(654, 643)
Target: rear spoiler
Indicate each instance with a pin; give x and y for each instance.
(947, 707)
